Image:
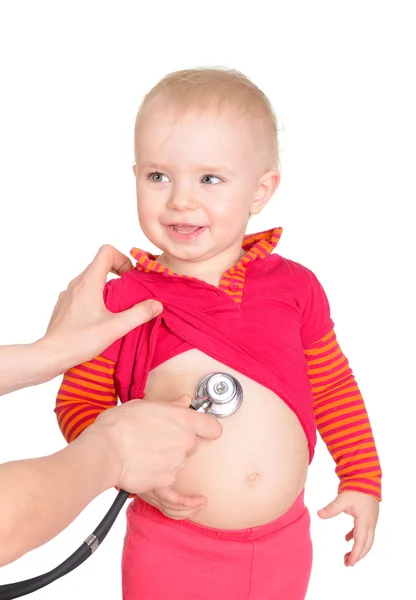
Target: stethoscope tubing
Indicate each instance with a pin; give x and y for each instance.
(202, 403)
(22, 588)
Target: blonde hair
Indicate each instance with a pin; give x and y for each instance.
(220, 87)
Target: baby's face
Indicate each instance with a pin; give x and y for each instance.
(199, 175)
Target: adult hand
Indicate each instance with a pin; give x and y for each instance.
(149, 441)
(81, 327)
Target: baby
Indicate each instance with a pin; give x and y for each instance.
(234, 525)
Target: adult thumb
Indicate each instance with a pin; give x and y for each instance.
(139, 314)
(333, 509)
(205, 426)
(184, 401)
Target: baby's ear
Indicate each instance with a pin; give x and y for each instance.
(267, 186)
(134, 169)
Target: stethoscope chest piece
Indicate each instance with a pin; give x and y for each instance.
(218, 394)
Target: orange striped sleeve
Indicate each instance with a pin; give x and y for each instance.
(341, 417)
(85, 392)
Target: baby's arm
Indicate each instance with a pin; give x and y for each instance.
(85, 392)
(89, 389)
(341, 417)
(342, 421)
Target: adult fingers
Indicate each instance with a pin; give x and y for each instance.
(118, 262)
(108, 259)
(127, 320)
(184, 401)
(206, 426)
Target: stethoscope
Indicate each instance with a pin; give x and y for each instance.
(217, 394)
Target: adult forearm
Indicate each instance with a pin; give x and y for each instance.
(40, 497)
(80, 328)
(26, 364)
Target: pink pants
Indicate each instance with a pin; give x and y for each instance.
(165, 559)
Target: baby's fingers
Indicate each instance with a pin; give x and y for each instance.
(179, 515)
(368, 546)
(357, 550)
(363, 540)
(349, 536)
(179, 501)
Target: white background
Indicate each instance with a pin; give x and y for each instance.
(341, 78)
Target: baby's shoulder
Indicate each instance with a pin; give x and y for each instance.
(288, 270)
(125, 291)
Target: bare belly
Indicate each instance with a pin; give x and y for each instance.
(256, 470)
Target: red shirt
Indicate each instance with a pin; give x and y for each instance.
(268, 319)
(282, 310)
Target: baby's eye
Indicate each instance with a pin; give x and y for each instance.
(158, 177)
(210, 179)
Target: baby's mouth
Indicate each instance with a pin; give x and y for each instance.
(185, 228)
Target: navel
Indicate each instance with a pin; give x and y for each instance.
(253, 479)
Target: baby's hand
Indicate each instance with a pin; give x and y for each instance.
(364, 508)
(174, 505)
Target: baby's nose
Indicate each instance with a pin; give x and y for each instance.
(182, 200)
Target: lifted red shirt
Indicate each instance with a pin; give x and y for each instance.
(266, 312)
(269, 319)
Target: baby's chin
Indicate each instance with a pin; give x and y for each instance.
(189, 255)
(192, 250)
(174, 258)
(173, 252)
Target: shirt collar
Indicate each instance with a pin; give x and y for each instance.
(256, 246)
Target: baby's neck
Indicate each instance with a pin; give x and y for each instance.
(209, 270)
